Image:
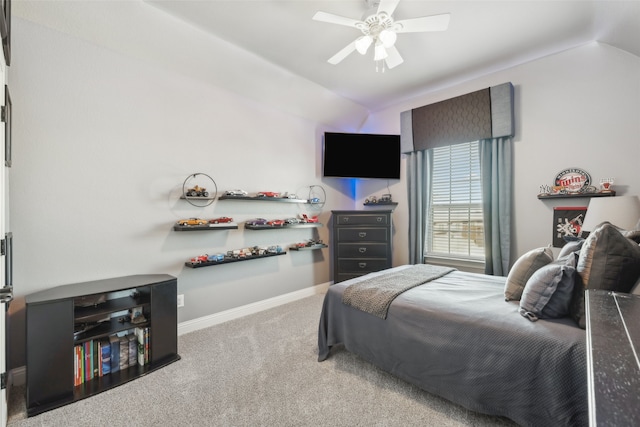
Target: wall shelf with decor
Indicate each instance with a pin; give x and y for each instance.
(312, 247)
(230, 259)
(269, 199)
(280, 227)
(576, 195)
(206, 227)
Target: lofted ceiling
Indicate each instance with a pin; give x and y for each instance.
(483, 36)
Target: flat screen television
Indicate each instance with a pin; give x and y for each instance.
(361, 155)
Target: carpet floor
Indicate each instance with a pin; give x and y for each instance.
(259, 370)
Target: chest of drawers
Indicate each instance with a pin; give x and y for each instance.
(361, 243)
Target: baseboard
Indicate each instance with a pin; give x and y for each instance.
(235, 313)
(18, 376)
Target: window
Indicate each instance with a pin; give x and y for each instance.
(455, 226)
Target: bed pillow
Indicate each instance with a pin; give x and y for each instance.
(607, 260)
(548, 292)
(570, 247)
(522, 270)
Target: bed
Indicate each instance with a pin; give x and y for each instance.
(457, 337)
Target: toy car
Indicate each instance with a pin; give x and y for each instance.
(192, 221)
(216, 257)
(291, 221)
(257, 221)
(235, 193)
(314, 200)
(275, 249)
(197, 192)
(306, 219)
(199, 259)
(276, 222)
(268, 194)
(221, 220)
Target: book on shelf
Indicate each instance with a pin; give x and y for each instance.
(142, 333)
(124, 352)
(78, 362)
(114, 342)
(133, 349)
(105, 355)
(88, 360)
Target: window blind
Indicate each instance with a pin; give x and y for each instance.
(455, 224)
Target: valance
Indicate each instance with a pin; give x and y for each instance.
(486, 113)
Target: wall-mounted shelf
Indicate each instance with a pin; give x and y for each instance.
(280, 227)
(268, 199)
(206, 227)
(196, 198)
(228, 260)
(308, 248)
(576, 195)
(381, 204)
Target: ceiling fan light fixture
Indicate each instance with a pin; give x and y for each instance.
(363, 43)
(380, 52)
(387, 38)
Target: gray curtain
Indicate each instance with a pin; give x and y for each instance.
(497, 198)
(419, 182)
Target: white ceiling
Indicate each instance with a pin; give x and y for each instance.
(483, 36)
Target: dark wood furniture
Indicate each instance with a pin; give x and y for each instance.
(613, 346)
(51, 317)
(361, 243)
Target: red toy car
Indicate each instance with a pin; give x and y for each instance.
(199, 259)
(306, 219)
(221, 220)
(276, 223)
(268, 194)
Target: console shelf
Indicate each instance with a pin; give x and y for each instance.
(58, 321)
(206, 227)
(280, 227)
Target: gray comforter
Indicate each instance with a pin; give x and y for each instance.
(457, 337)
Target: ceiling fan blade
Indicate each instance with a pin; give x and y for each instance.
(343, 53)
(393, 59)
(388, 6)
(425, 23)
(335, 19)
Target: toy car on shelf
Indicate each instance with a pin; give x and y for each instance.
(257, 221)
(290, 221)
(216, 257)
(197, 191)
(236, 193)
(274, 249)
(268, 194)
(192, 221)
(308, 220)
(221, 220)
(199, 259)
(276, 222)
(313, 200)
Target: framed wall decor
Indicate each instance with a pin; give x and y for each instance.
(6, 118)
(567, 224)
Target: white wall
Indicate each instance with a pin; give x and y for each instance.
(579, 108)
(102, 145)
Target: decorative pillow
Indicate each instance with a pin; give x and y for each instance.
(570, 247)
(522, 270)
(608, 261)
(548, 291)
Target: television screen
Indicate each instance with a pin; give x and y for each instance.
(361, 155)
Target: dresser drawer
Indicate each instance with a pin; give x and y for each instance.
(364, 265)
(362, 234)
(363, 250)
(360, 219)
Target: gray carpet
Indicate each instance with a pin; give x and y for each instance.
(260, 370)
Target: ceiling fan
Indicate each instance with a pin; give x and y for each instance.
(380, 30)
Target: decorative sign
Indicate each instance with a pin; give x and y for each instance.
(573, 180)
(567, 224)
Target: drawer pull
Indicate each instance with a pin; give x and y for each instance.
(362, 264)
(345, 219)
(362, 250)
(379, 219)
(362, 234)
